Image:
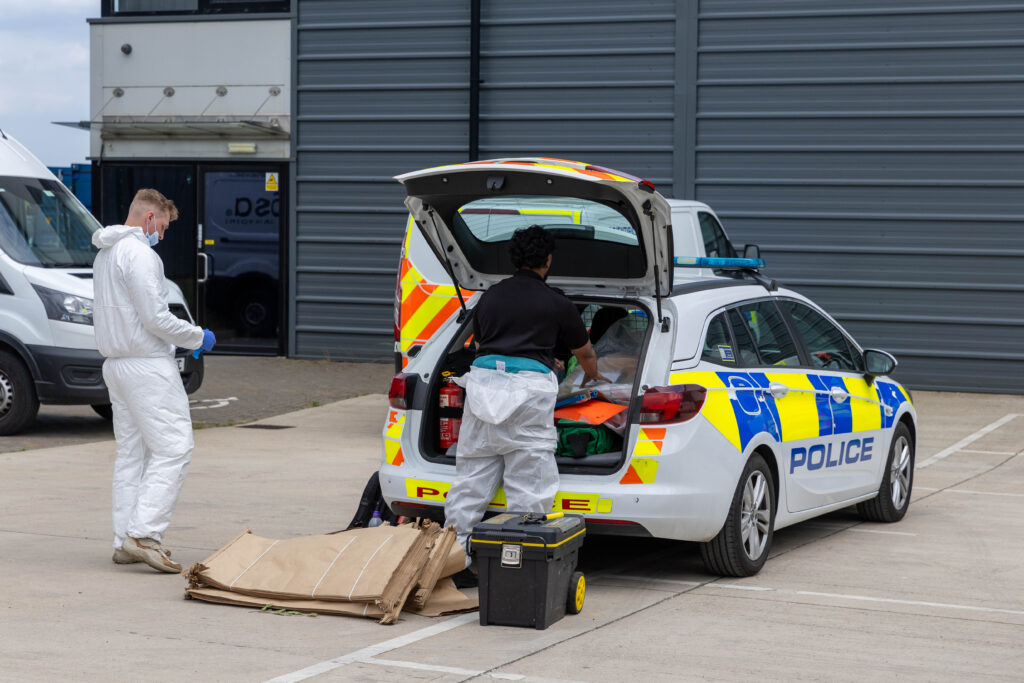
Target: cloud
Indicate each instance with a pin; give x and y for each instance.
(44, 74)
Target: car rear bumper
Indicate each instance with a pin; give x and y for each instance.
(669, 510)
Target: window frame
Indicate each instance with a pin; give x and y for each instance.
(204, 8)
(732, 340)
(801, 352)
(722, 239)
(854, 347)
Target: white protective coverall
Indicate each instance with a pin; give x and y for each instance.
(137, 334)
(507, 435)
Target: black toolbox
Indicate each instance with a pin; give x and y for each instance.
(526, 564)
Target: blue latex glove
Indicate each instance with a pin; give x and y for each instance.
(209, 339)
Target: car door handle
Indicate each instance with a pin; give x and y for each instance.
(778, 389)
(838, 395)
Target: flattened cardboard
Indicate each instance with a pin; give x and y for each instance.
(445, 599)
(379, 567)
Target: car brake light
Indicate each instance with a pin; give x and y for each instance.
(400, 393)
(677, 403)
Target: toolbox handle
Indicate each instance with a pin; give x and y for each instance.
(536, 517)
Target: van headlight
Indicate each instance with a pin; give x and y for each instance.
(68, 308)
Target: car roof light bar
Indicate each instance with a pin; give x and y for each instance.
(716, 262)
(746, 266)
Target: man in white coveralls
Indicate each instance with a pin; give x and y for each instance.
(137, 334)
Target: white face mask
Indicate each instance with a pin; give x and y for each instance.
(153, 237)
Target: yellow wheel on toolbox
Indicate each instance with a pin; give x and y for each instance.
(577, 593)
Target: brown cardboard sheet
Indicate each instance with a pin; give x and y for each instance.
(445, 599)
(363, 572)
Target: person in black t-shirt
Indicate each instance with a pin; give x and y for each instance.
(508, 436)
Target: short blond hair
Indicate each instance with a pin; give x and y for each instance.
(153, 199)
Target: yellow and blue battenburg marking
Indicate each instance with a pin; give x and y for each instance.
(740, 405)
(890, 395)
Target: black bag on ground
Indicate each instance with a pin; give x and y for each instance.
(371, 500)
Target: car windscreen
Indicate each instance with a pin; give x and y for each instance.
(592, 240)
(41, 224)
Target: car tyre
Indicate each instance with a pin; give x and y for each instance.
(104, 410)
(893, 499)
(742, 546)
(18, 401)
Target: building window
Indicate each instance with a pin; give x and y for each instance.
(134, 8)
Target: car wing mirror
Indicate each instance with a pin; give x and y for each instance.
(878, 362)
(751, 251)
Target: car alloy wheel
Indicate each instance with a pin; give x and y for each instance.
(755, 515)
(899, 473)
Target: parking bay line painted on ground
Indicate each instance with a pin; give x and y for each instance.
(945, 453)
(378, 649)
(841, 596)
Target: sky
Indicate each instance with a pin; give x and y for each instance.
(44, 75)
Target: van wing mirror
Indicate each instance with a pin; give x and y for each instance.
(751, 251)
(877, 362)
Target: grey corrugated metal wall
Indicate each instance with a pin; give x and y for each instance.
(381, 88)
(873, 149)
(869, 149)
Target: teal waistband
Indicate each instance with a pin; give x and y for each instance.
(510, 364)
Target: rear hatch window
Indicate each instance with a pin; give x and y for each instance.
(591, 240)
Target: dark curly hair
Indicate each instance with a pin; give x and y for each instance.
(531, 246)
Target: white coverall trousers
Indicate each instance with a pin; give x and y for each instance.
(507, 437)
(153, 429)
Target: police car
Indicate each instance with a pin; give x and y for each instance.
(747, 408)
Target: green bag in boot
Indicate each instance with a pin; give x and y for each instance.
(580, 439)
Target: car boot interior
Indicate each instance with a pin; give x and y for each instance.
(618, 332)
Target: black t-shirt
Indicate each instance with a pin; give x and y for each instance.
(522, 316)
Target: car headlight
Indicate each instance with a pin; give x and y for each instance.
(65, 307)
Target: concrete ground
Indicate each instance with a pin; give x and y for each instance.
(235, 390)
(939, 596)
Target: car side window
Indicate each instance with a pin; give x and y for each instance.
(826, 344)
(718, 346)
(744, 343)
(770, 334)
(715, 241)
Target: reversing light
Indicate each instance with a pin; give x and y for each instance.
(671, 404)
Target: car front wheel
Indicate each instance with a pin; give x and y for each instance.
(893, 499)
(741, 547)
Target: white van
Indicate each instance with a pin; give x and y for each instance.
(47, 346)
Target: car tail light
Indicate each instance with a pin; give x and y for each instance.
(400, 393)
(677, 403)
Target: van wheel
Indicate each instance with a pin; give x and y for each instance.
(104, 410)
(742, 546)
(893, 499)
(18, 402)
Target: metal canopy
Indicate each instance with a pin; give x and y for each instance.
(207, 127)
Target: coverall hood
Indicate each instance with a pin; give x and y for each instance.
(104, 238)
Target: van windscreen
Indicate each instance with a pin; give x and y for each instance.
(41, 224)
